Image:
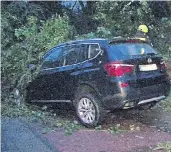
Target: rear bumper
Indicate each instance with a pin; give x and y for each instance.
(130, 97)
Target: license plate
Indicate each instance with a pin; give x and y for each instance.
(149, 67)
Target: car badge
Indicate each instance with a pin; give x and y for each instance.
(149, 60)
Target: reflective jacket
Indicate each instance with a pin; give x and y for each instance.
(142, 36)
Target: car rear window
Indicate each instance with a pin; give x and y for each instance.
(129, 50)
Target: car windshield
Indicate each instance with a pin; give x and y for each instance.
(130, 50)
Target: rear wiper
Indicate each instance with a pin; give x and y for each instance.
(151, 54)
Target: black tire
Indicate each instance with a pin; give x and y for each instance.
(28, 96)
(87, 93)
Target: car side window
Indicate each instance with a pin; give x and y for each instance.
(53, 59)
(71, 54)
(94, 49)
(68, 55)
(83, 56)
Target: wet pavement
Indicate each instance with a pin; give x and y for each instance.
(18, 136)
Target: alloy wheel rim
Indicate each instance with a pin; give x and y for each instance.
(86, 110)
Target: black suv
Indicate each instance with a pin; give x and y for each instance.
(98, 75)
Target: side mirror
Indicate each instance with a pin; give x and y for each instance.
(32, 67)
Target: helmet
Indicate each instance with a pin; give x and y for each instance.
(143, 28)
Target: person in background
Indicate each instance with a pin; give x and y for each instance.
(142, 34)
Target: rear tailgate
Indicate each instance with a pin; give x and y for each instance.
(149, 70)
(149, 67)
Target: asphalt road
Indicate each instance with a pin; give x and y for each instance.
(18, 136)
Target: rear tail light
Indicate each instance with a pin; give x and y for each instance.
(118, 69)
(163, 65)
(123, 85)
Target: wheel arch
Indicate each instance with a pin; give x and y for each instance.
(89, 86)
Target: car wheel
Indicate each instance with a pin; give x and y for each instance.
(88, 108)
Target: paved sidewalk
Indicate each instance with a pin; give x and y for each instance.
(86, 140)
(17, 136)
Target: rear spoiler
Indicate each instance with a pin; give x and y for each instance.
(128, 40)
